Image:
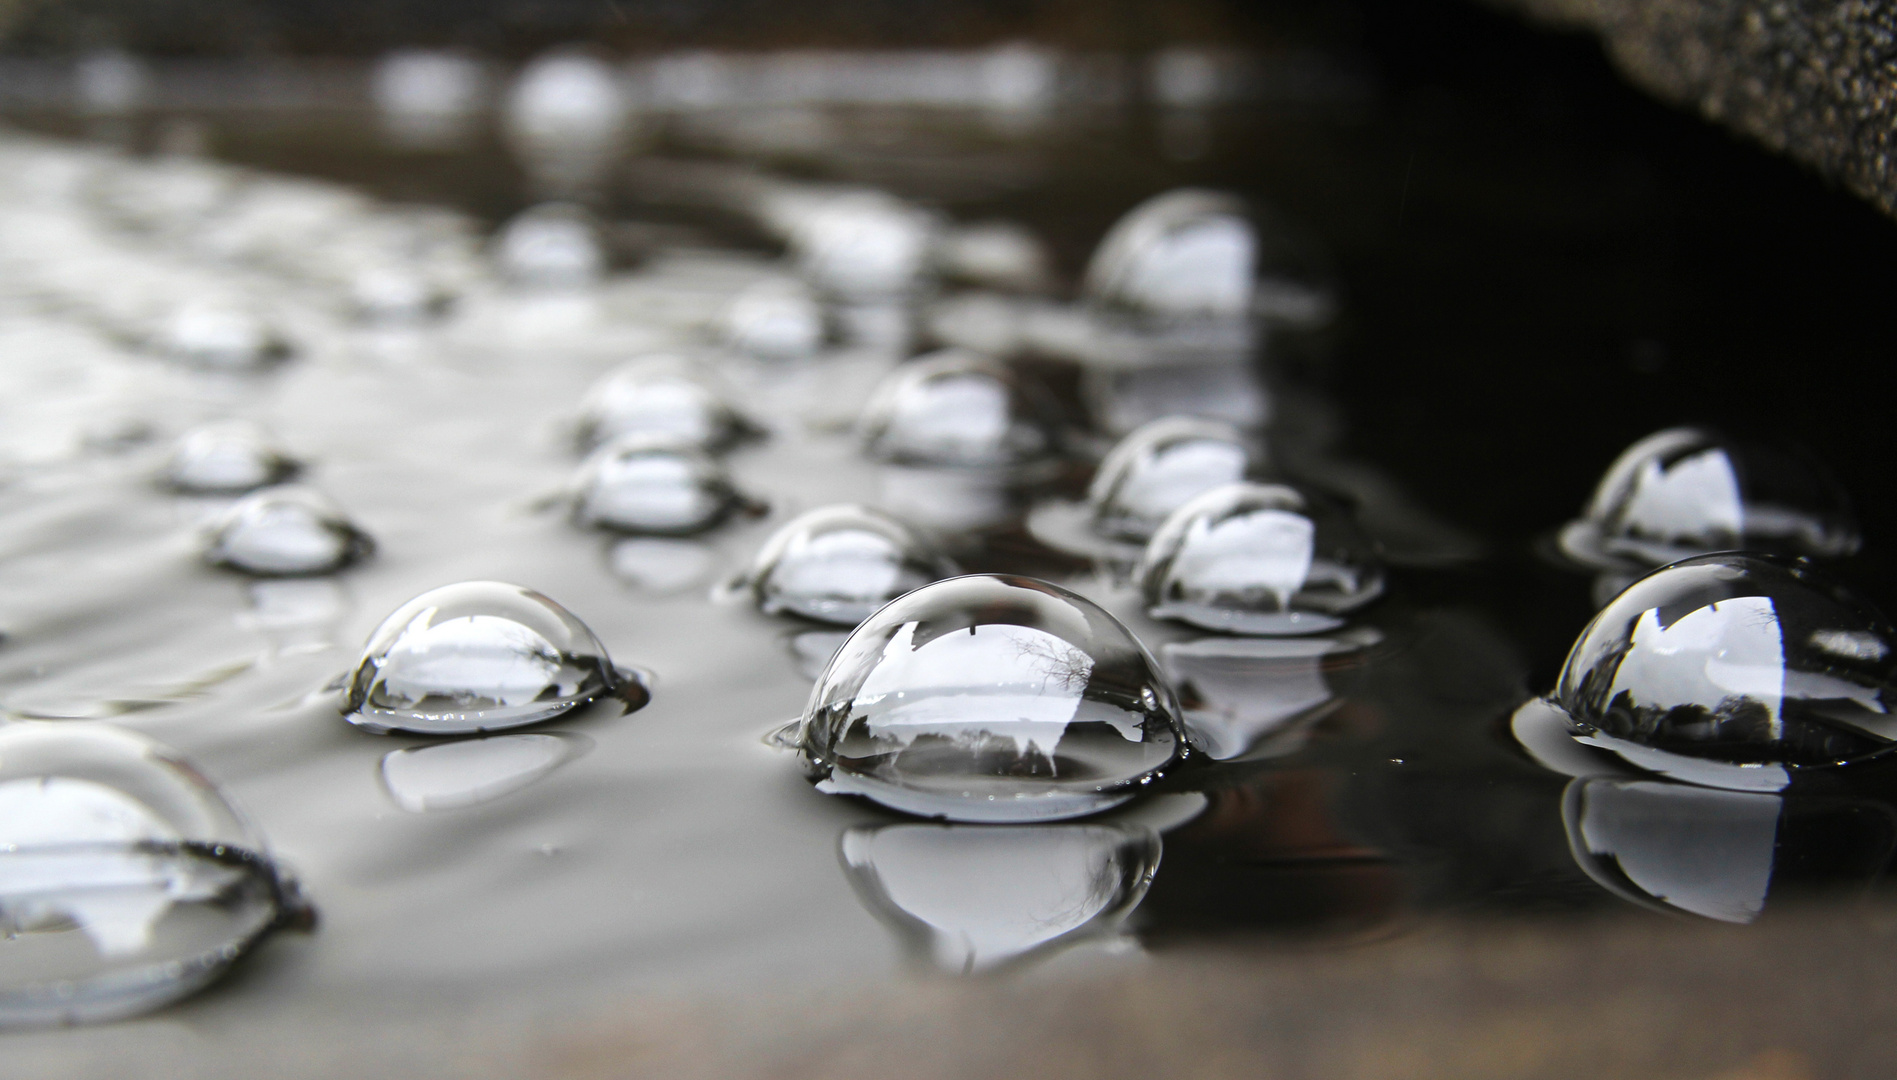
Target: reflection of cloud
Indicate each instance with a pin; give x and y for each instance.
(995, 681)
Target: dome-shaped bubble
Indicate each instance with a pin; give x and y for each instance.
(654, 485)
(1688, 491)
(1728, 669)
(553, 245)
(479, 656)
(863, 244)
(1160, 467)
(837, 564)
(126, 880)
(390, 295)
(567, 98)
(775, 320)
(223, 334)
(971, 897)
(1186, 252)
(286, 532)
(1724, 855)
(991, 698)
(1266, 559)
(959, 408)
(662, 396)
(227, 457)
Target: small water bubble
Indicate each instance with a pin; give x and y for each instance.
(863, 244)
(991, 698)
(958, 408)
(126, 880)
(1160, 467)
(224, 334)
(1186, 252)
(448, 776)
(662, 395)
(480, 656)
(552, 246)
(775, 320)
(429, 100)
(1266, 559)
(396, 295)
(971, 897)
(643, 484)
(226, 457)
(1714, 670)
(838, 564)
(568, 117)
(1689, 491)
(286, 532)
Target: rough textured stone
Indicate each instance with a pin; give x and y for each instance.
(1816, 79)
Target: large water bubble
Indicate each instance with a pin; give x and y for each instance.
(1252, 558)
(553, 245)
(286, 532)
(1688, 491)
(126, 880)
(226, 457)
(958, 408)
(654, 485)
(1731, 669)
(1723, 855)
(1183, 253)
(837, 564)
(971, 897)
(662, 395)
(991, 698)
(1160, 467)
(480, 656)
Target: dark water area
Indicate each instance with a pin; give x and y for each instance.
(1534, 267)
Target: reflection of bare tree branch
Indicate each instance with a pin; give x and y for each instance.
(1064, 663)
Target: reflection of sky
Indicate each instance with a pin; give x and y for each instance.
(1695, 496)
(65, 856)
(1704, 851)
(1264, 549)
(996, 680)
(1729, 649)
(845, 563)
(968, 416)
(484, 655)
(1160, 486)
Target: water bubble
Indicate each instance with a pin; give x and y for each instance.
(448, 776)
(552, 245)
(642, 484)
(428, 100)
(775, 320)
(991, 698)
(286, 532)
(1688, 491)
(1183, 253)
(838, 564)
(662, 395)
(126, 880)
(958, 408)
(396, 296)
(226, 457)
(1720, 855)
(225, 335)
(480, 656)
(1265, 559)
(971, 897)
(1731, 669)
(1159, 468)
(863, 244)
(568, 117)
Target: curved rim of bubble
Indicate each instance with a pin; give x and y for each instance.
(1152, 440)
(631, 686)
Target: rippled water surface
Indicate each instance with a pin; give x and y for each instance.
(1359, 782)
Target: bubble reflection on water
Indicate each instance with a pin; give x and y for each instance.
(448, 776)
(126, 880)
(970, 898)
